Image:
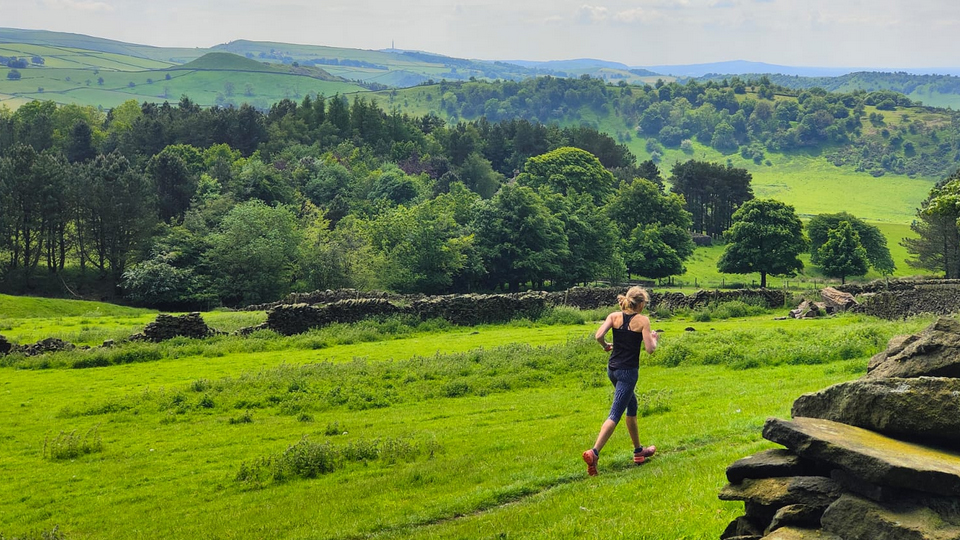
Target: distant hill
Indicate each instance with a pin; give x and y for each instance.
(743, 67)
(75, 68)
(932, 90)
(564, 65)
(737, 67)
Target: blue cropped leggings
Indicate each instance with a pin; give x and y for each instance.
(624, 400)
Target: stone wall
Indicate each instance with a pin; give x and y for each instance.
(884, 285)
(472, 309)
(166, 327)
(458, 309)
(875, 458)
(938, 297)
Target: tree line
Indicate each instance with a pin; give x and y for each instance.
(178, 206)
(752, 116)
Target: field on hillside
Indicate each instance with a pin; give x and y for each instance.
(394, 429)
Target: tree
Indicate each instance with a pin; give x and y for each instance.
(654, 229)
(519, 239)
(254, 252)
(937, 246)
(176, 181)
(591, 239)
(872, 240)
(712, 193)
(766, 237)
(478, 175)
(568, 169)
(842, 254)
(423, 248)
(118, 208)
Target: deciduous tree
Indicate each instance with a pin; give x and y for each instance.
(842, 254)
(766, 237)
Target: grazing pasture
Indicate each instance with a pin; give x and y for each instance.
(395, 429)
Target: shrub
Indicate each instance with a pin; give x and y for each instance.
(71, 445)
(653, 402)
(245, 418)
(307, 459)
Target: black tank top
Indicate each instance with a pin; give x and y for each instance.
(626, 346)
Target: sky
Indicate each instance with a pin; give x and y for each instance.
(820, 33)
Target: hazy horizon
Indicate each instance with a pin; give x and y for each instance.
(822, 33)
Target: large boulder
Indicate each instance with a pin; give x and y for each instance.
(911, 518)
(798, 533)
(766, 464)
(817, 491)
(870, 456)
(5, 346)
(934, 352)
(926, 408)
(809, 310)
(836, 300)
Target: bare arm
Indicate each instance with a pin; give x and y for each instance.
(650, 337)
(601, 335)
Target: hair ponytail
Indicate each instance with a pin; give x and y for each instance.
(634, 300)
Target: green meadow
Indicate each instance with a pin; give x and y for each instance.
(394, 428)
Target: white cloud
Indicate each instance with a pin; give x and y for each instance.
(633, 15)
(592, 14)
(81, 5)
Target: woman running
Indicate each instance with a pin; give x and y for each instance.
(630, 330)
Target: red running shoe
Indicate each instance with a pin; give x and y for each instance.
(644, 453)
(591, 460)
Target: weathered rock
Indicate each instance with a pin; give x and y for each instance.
(760, 514)
(809, 310)
(836, 300)
(796, 515)
(5, 346)
(935, 353)
(783, 491)
(926, 408)
(797, 533)
(766, 464)
(859, 486)
(741, 527)
(894, 346)
(855, 518)
(871, 456)
(48, 345)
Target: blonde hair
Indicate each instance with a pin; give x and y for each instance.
(634, 300)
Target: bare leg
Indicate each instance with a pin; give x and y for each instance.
(606, 430)
(634, 432)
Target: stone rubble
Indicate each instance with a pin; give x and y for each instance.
(873, 459)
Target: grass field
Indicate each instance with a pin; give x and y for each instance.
(377, 430)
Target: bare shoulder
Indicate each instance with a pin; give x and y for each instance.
(639, 322)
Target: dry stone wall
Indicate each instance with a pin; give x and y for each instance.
(873, 459)
(170, 326)
(472, 309)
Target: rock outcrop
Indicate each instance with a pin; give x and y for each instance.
(873, 459)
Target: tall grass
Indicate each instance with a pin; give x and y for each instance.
(753, 347)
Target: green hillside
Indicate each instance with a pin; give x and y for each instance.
(931, 90)
(105, 80)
